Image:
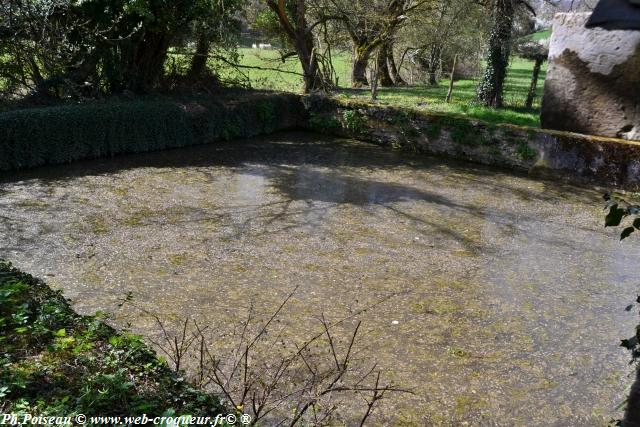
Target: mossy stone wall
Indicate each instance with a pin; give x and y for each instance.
(54, 135)
(607, 161)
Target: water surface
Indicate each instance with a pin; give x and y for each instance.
(503, 296)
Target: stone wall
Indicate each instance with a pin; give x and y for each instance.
(57, 135)
(593, 80)
(606, 161)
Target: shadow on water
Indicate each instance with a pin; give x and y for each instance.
(295, 149)
(511, 270)
(304, 167)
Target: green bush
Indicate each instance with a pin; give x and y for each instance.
(55, 135)
(34, 137)
(56, 362)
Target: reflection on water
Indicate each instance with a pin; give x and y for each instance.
(508, 293)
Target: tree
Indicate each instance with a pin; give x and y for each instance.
(536, 51)
(491, 87)
(86, 48)
(394, 72)
(383, 69)
(432, 40)
(369, 25)
(220, 26)
(292, 17)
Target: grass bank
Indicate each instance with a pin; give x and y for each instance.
(55, 362)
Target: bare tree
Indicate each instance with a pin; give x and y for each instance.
(279, 383)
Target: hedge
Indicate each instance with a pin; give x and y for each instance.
(55, 135)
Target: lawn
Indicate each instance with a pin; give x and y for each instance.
(421, 97)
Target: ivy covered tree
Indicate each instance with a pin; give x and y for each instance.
(372, 25)
(503, 14)
(491, 87)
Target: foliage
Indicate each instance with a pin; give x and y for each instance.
(619, 209)
(435, 38)
(75, 48)
(54, 135)
(354, 120)
(525, 152)
(323, 123)
(55, 362)
(39, 136)
(462, 131)
(620, 212)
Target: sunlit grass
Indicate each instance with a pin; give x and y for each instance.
(421, 97)
(432, 98)
(281, 80)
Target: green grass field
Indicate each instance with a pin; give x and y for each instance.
(421, 97)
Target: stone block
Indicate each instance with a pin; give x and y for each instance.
(593, 80)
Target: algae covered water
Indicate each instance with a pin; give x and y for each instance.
(496, 298)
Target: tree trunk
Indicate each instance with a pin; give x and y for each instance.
(492, 85)
(146, 64)
(393, 69)
(534, 83)
(359, 70)
(309, 62)
(301, 36)
(434, 61)
(453, 73)
(384, 78)
(375, 76)
(198, 65)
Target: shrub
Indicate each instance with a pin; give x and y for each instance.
(55, 135)
(56, 362)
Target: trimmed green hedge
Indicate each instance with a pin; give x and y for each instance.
(55, 135)
(54, 362)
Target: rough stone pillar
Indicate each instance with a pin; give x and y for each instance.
(593, 79)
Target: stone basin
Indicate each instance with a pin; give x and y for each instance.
(496, 298)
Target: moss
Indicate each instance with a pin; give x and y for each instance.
(266, 113)
(121, 191)
(495, 152)
(434, 130)
(33, 203)
(461, 131)
(323, 123)
(177, 259)
(525, 152)
(97, 224)
(137, 218)
(458, 352)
